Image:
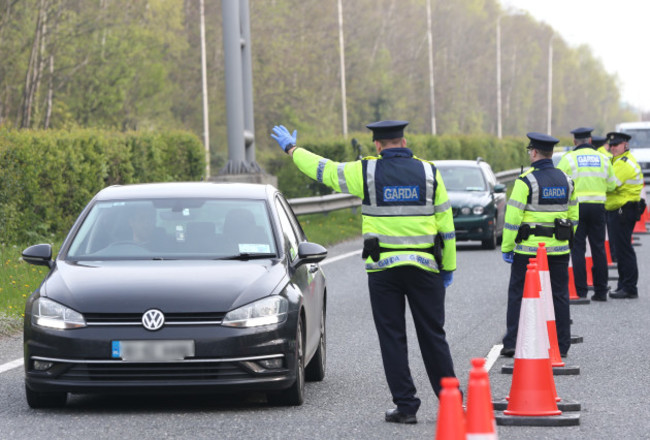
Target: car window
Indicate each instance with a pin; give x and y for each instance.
(463, 178)
(489, 174)
(173, 229)
(289, 228)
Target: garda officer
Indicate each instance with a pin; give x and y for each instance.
(541, 208)
(593, 177)
(623, 207)
(601, 145)
(405, 210)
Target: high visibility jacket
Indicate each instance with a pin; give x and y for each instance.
(629, 182)
(539, 196)
(592, 173)
(603, 151)
(404, 204)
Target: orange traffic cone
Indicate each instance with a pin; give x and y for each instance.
(639, 226)
(451, 419)
(532, 392)
(573, 293)
(480, 413)
(546, 295)
(589, 265)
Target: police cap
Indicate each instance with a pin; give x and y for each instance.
(387, 129)
(615, 137)
(541, 141)
(598, 141)
(582, 132)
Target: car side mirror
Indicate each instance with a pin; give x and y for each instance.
(499, 188)
(39, 255)
(310, 253)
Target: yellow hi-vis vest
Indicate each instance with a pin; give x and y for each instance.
(591, 172)
(629, 182)
(402, 226)
(529, 204)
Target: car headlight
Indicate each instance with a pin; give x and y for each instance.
(271, 310)
(465, 210)
(478, 210)
(51, 314)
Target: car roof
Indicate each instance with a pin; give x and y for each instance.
(457, 163)
(188, 189)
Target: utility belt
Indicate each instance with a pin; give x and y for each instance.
(562, 230)
(372, 249)
(636, 207)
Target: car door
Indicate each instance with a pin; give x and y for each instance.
(307, 277)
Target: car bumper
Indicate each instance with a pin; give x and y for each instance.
(225, 360)
(473, 228)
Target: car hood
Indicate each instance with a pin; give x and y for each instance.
(178, 286)
(469, 198)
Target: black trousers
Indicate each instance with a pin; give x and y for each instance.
(591, 226)
(558, 267)
(389, 290)
(621, 224)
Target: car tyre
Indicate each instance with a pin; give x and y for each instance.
(39, 400)
(294, 395)
(315, 371)
(491, 243)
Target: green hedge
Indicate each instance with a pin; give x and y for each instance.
(501, 154)
(47, 177)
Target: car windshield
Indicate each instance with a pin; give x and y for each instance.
(178, 228)
(463, 178)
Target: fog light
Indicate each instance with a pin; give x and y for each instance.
(271, 363)
(42, 365)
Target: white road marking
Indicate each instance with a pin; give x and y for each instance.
(340, 257)
(11, 365)
(492, 356)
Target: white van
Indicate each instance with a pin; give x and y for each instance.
(639, 144)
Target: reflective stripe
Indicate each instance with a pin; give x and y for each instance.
(517, 204)
(442, 207)
(532, 334)
(592, 199)
(600, 175)
(511, 226)
(397, 210)
(321, 169)
(388, 239)
(370, 182)
(549, 249)
(573, 202)
(430, 179)
(387, 262)
(547, 224)
(634, 182)
(340, 171)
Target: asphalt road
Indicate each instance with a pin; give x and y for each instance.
(349, 404)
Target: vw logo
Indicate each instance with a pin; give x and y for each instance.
(153, 319)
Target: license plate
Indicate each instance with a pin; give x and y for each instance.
(152, 351)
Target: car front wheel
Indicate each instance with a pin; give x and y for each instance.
(491, 242)
(38, 400)
(294, 395)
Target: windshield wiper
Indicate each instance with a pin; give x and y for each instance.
(247, 256)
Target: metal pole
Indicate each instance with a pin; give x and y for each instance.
(550, 85)
(499, 77)
(344, 109)
(431, 89)
(234, 87)
(247, 76)
(204, 78)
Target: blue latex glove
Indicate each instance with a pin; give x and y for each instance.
(508, 257)
(447, 278)
(284, 138)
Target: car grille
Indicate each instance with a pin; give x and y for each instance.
(170, 318)
(155, 372)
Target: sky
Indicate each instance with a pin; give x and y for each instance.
(618, 34)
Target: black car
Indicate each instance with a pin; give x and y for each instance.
(477, 199)
(178, 287)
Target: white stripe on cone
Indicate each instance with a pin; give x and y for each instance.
(532, 336)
